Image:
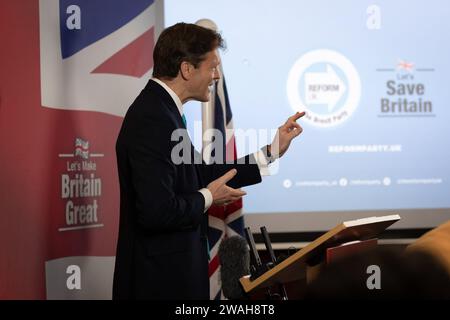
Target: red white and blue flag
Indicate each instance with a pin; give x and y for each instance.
(96, 54)
(70, 69)
(405, 65)
(224, 221)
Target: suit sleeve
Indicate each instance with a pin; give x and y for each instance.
(247, 172)
(159, 206)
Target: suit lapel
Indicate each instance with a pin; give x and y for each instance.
(171, 105)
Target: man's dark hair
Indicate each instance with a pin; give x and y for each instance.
(183, 42)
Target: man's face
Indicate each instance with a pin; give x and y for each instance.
(204, 76)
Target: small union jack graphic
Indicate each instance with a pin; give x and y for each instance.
(81, 148)
(404, 65)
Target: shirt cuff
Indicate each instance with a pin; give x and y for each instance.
(208, 198)
(262, 163)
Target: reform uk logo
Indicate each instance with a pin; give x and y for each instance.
(325, 84)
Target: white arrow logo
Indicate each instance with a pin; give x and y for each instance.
(324, 88)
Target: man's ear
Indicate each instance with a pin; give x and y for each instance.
(186, 70)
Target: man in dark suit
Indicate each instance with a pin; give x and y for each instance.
(162, 250)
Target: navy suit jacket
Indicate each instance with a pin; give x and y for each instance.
(162, 248)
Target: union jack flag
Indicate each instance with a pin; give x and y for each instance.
(224, 221)
(404, 65)
(81, 148)
(96, 54)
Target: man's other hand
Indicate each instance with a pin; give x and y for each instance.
(223, 194)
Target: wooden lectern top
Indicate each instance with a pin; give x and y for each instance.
(294, 267)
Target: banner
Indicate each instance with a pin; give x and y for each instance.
(70, 70)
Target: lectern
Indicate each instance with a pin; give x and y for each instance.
(303, 264)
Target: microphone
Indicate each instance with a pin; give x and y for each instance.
(269, 248)
(283, 294)
(234, 261)
(256, 266)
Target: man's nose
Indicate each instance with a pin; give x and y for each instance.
(216, 74)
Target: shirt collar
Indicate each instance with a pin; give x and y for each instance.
(172, 93)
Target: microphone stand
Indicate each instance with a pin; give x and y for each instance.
(273, 263)
(257, 267)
